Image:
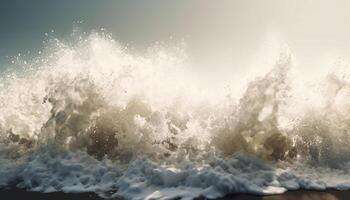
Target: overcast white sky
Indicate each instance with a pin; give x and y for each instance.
(218, 33)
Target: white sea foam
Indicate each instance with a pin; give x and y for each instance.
(92, 116)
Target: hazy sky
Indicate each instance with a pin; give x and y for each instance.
(217, 32)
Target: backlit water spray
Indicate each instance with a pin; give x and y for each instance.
(90, 116)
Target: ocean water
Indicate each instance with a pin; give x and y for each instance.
(90, 116)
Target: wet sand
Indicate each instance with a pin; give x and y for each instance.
(11, 194)
(18, 194)
(296, 195)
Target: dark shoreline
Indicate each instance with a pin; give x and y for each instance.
(328, 194)
(19, 194)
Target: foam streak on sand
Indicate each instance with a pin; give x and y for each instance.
(93, 117)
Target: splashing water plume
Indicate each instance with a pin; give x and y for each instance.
(92, 116)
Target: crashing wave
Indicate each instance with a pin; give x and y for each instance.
(93, 117)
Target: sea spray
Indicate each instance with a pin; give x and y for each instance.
(92, 116)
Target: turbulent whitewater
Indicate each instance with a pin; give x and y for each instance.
(91, 116)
